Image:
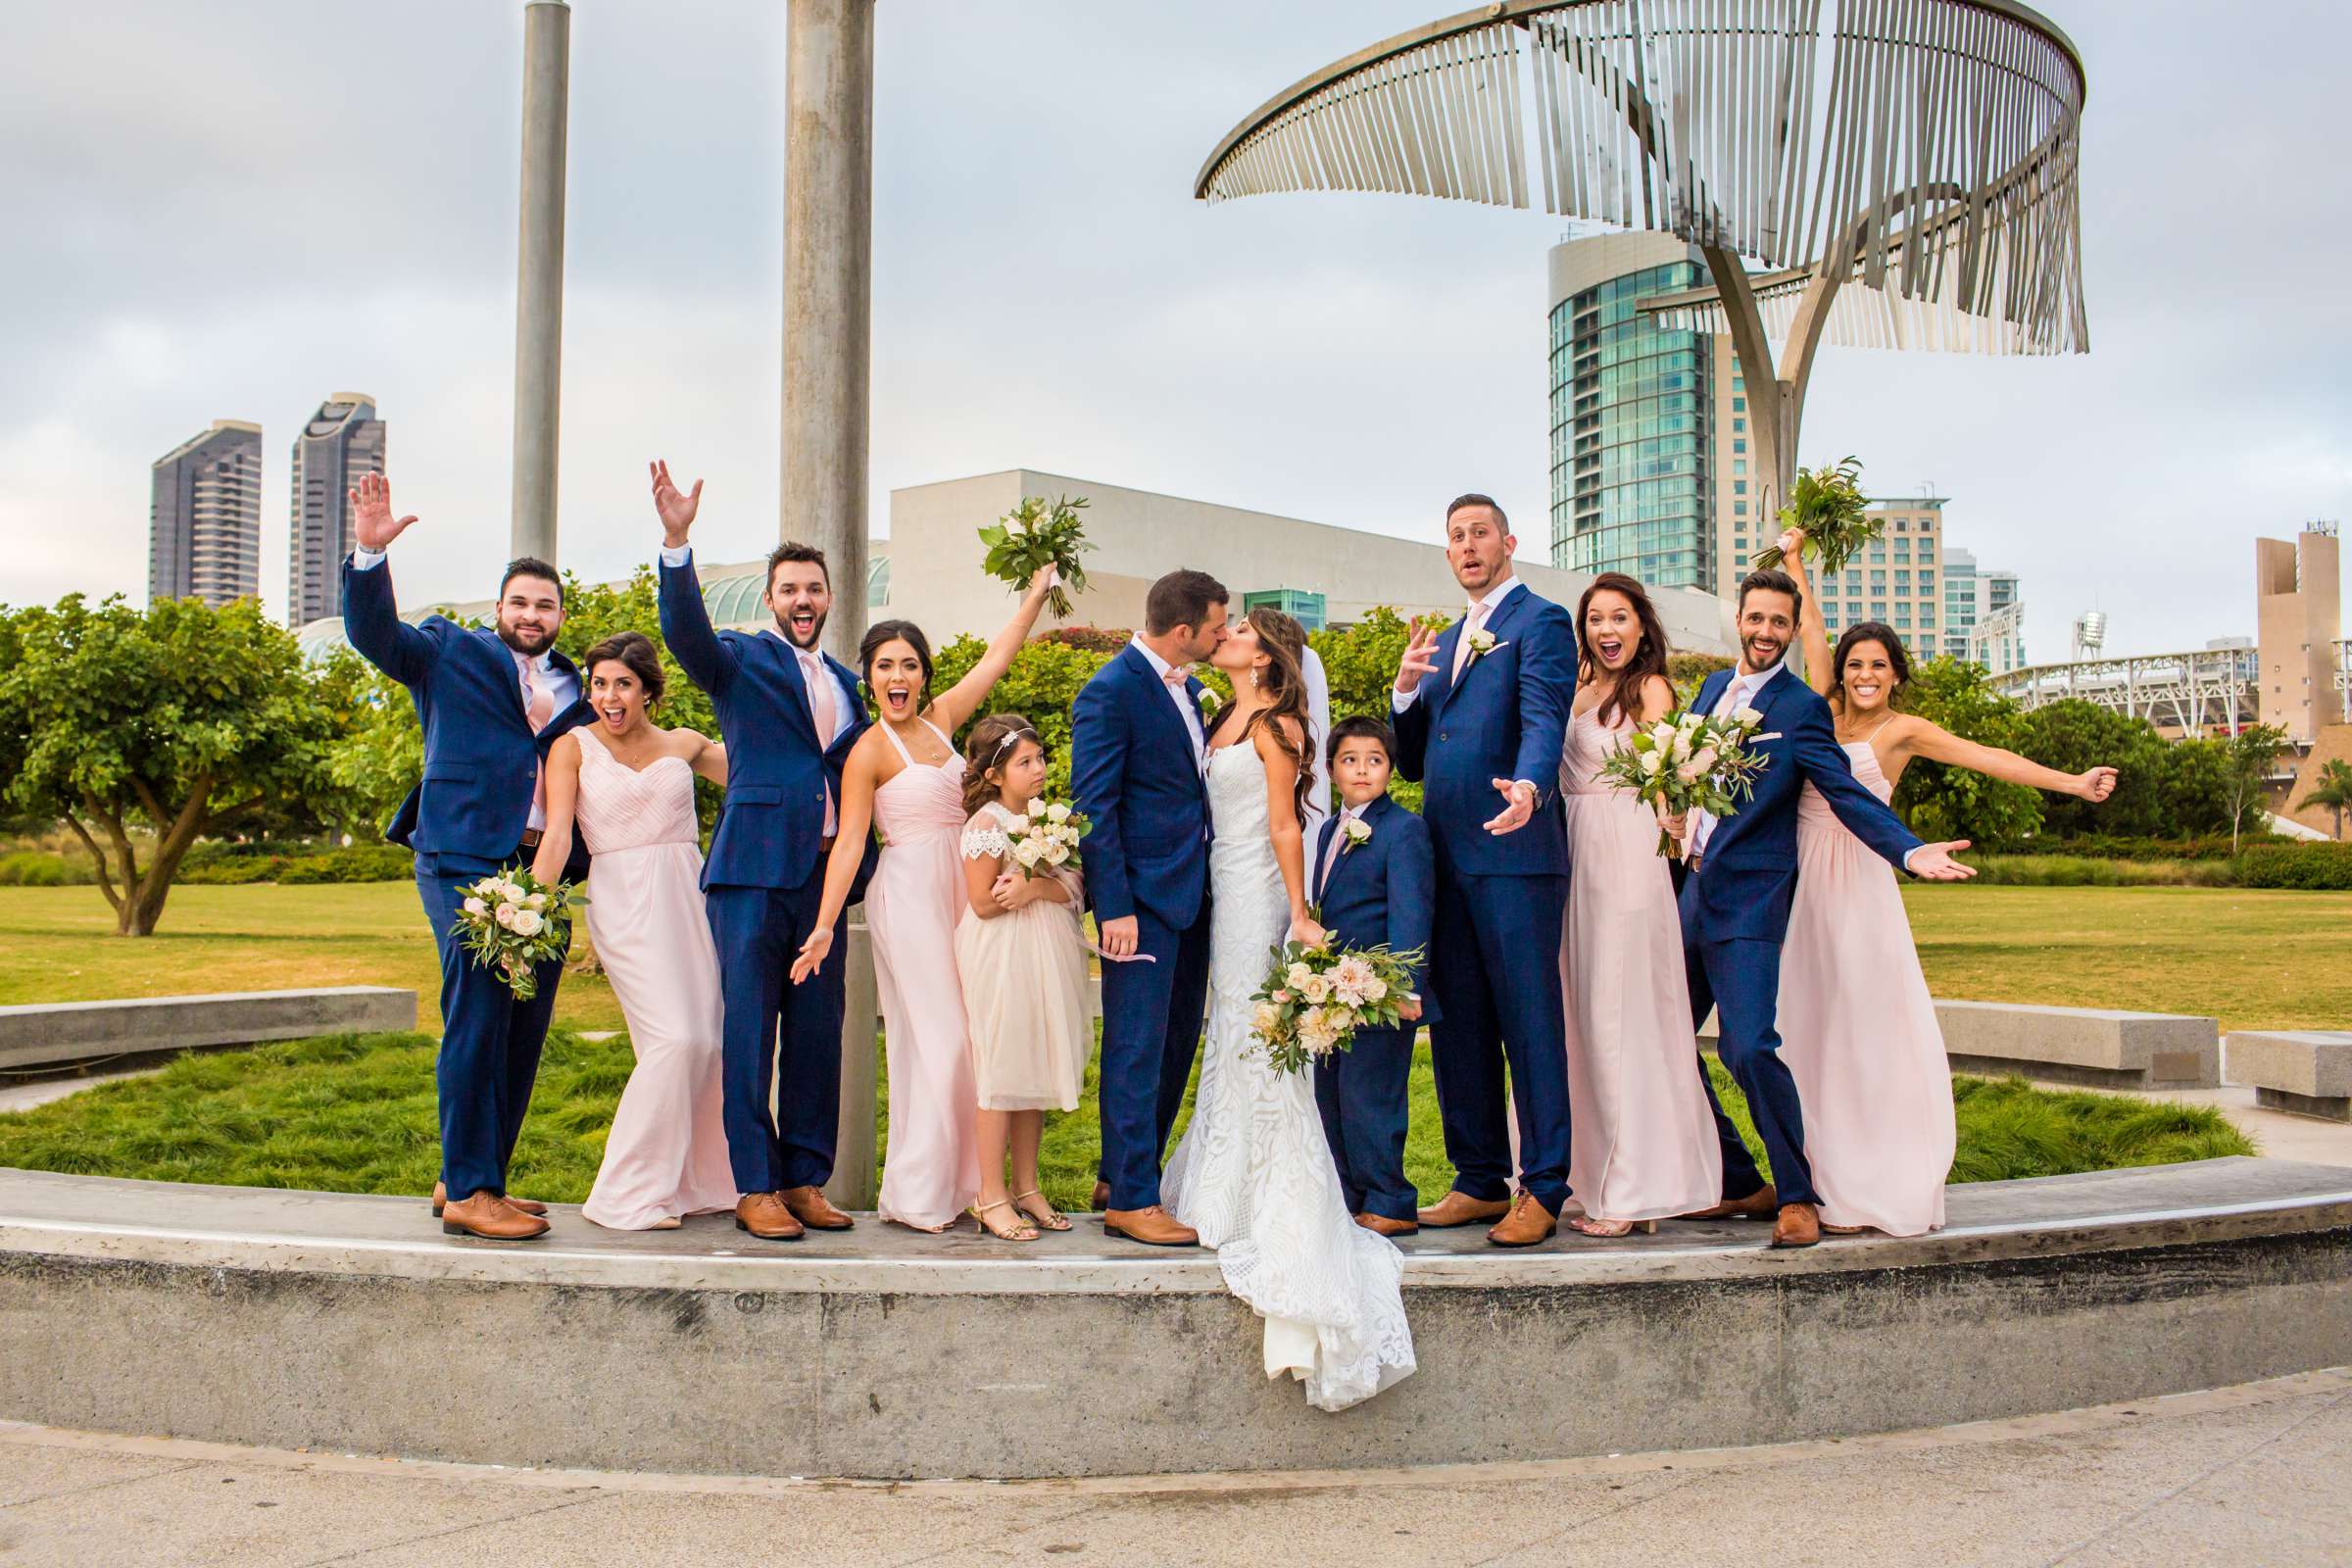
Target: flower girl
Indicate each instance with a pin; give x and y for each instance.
(1023, 968)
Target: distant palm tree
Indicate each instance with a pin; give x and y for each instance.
(2334, 791)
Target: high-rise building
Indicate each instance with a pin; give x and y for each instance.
(2298, 608)
(340, 443)
(1959, 600)
(1984, 614)
(1898, 578)
(204, 520)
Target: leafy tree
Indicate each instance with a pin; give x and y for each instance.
(2071, 735)
(1043, 681)
(1954, 802)
(2194, 789)
(2253, 754)
(2334, 791)
(1362, 662)
(182, 718)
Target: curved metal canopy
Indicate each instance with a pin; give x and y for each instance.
(1930, 169)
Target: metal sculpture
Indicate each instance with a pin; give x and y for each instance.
(1919, 189)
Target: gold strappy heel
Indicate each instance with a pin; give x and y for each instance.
(1052, 1219)
(1020, 1230)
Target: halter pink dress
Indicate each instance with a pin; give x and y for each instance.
(931, 1172)
(1858, 1029)
(1644, 1145)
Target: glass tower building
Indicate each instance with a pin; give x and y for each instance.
(204, 534)
(338, 444)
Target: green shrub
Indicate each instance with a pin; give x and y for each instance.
(2093, 871)
(38, 868)
(2117, 847)
(360, 863)
(232, 871)
(2308, 866)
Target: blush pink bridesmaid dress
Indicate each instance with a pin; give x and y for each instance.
(1644, 1138)
(1858, 1030)
(666, 1155)
(931, 1172)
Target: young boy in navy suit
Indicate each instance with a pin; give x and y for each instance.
(1375, 881)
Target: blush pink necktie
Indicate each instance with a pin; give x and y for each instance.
(823, 708)
(538, 706)
(1339, 842)
(1461, 649)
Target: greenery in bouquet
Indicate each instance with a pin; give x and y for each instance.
(1689, 760)
(1827, 505)
(1045, 839)
(1314, 999)
(513, 922)
(1033, 536)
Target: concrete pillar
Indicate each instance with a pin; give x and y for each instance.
(828, 251)
(539, 278)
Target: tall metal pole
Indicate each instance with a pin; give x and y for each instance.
(539, 278)
(828, 252)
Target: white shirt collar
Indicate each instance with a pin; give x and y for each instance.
(1748, 684)
(1493, 597)
(539, 663)
(1159, 665)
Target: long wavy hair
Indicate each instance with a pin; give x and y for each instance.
(1869, 631)
(1648, 660)
(1283, 685)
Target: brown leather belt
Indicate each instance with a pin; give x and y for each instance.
(531, 837)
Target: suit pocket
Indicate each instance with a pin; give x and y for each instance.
(754, 795)
(451, 773)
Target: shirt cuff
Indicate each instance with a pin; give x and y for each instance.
(1399, 701)
(674, 556)
(365, 559)
(1907, 853)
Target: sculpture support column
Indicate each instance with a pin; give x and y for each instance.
(539, 278)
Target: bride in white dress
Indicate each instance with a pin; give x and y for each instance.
(1253, 1173)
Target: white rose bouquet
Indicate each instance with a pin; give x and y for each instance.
(1690, 759)
(512, 921)
(1045, 839)
(1315, 999)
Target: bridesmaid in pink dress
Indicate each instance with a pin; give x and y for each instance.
(628, 786)
(1644, 1147)
(905, 777)
(1857, 1025)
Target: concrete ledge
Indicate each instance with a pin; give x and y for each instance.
(309, 1320)
(2306, 1071)
(49, 1033)
(2098, 1047)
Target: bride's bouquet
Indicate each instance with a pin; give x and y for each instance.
(1690, 759)
(512, 921)
(1045, 838)
(1315, 999)
(1033, 536)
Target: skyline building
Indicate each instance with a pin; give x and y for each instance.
(341, 442)
(204, 518)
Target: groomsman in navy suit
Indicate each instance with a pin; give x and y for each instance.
(789, 714)
(1481, 712)
(1375, 881)
(490, 704)
(1137, 745)
(1741, 873)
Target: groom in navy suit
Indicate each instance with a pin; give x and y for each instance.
(789, 714)
(1481, 712)
(1736, 894)
(490, 704)
(1137, 740)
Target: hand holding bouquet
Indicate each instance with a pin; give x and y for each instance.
(1827, 507)
(1315, 998)
(1690, 759)
(512, 921)
(1045, 838)
(1032, 535)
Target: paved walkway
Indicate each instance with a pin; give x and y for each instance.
(2248, 1475)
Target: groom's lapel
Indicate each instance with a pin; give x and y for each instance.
(1154, 698)
(1442, 676)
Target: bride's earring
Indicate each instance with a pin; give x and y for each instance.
(1253, 680)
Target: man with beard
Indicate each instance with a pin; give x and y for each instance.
(788, 715)
(490, 704)
(1735, 898)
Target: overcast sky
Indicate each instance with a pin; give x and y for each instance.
(233, 210)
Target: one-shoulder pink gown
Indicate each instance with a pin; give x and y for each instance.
(1858, 1029)
(1645, 1139)
(931, 1170)
(666, 1155)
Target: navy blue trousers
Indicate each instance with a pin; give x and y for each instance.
(1361, 1093)
(1741, 982)
(490, 1044)
(1494, 966)
(1150, 1032)
(778, 1033)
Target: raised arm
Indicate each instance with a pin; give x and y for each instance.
(563, 781)
(1920, 737)
(685, 619)
(959, 701)
(370, 617)
(1812, 628)
(1408, 717)
(1281, 812)
(856, 826)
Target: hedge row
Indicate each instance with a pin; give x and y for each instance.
(360, 863)
(2306, 865)
(2116, 846)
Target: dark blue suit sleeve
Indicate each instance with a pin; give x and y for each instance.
(1412, 735)
(1412, 888)
(1097, 778)
(1825, 766)
(686, 628)
(1546, 697)
(371, 622)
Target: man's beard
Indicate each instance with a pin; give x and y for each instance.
(1757, 659)
(816, 632)
(513, 639)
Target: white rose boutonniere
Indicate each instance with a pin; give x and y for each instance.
(1482, 643)
(1208, 703)
(1355, 831)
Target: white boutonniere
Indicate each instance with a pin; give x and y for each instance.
(1207, 703)
(1353, 833)
(1482, 643)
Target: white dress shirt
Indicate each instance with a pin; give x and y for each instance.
(1400, 700)
(1339, 842)
(1181, 697)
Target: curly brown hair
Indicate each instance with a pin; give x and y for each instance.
(992, 740)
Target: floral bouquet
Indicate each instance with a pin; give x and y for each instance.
(1315, 999)
(1827, 505)
(1047, 837)
(1033, 536)
(512, 921)
(1690, 759)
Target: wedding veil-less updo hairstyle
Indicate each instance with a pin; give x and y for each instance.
(1284, 682)
(1648, 660)
(633, 649)
(892, 631)
(1869, 631)
(989, 745)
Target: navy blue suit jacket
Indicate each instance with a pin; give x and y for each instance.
(1748, 873)
(481, 760)
(772, 830)
(1382, 890)
(1134, 773)
(1505, 718)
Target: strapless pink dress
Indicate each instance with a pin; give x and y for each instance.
(1858, 1029)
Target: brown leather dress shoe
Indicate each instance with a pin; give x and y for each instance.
(1153, 1227)
(1102, 1197)
(1762, 1203)
(1527, 1224)
(765, 1215)
(489, 1217)
(1460, 1208)
(812, 1208)
(1798, 1225)
(527, 1204)
(1382, 1225)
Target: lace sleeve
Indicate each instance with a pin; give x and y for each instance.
(984, 841)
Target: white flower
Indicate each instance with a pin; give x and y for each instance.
(1027, 852)
(1017, 825)
(1353, 978)
(1297, 976)
(506, 916)
(537, 901)
(1316, 1030)
(1317, 989)
(1376, 990)
(1746, 717)
(1357, 830)
(528, 922)
(1208, 702)
(1036, 809)
(1058, 812)
(1650, 762)
(1267, 1022)
(1682, 744)
(475, 907)
(1056, 854)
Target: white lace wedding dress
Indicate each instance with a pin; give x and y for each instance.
(1253, 1173)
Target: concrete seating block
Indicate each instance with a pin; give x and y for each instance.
(2306, 1071)
(45, 1034)
(2100, 1048)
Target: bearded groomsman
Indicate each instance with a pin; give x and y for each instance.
(1480, 714)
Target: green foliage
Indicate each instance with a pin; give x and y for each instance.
(1687, 673)
(2252, 755)
(360, 862)
(1033, 536)
(2072, 735)
(1827, 505)
(1361, 663)
(594, 612)
(2010, 1128)
(40, 869)
(2305, 865)
(2333, 790)
(1044, 680)
(1954, 802)
(2116, 846)
(2098, 871)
